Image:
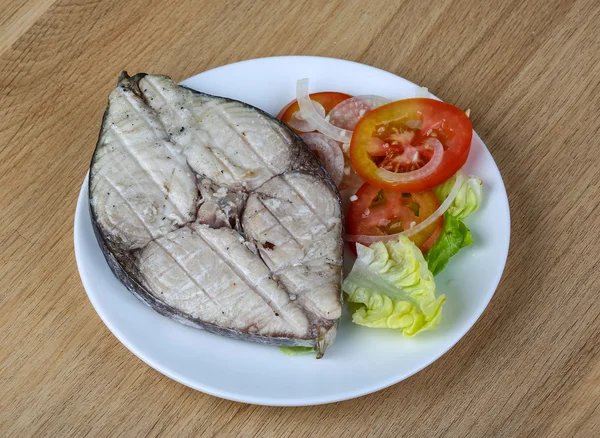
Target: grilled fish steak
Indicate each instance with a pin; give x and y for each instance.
(217, 215)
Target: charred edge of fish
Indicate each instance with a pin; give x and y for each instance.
(132, 83)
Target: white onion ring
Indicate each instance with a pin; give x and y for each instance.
(426, 170)
(299, 122)
(368, 240)
(318, 121)
(347, 113)
(329, 151)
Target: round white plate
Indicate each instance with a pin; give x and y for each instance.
(362, 360)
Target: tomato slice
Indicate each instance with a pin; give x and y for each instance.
(379, 212)
(329, 99)
(395, 137)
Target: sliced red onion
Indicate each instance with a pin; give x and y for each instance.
(347, 113)
(330, 152)
(299, 123)
(368, 240)
(317, 120)
(427, 169)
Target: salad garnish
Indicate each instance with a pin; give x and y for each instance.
(393, 288)
(398, 168)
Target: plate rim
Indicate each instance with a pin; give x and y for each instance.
(82, 202)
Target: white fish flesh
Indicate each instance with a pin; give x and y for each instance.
(217, 215)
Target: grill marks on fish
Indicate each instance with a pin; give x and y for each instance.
(133, 161)
(301, 233)
(246, 136)
(170, 247)
(300, 279)
(278, 222)
(134, 212)
(197, 252)
(164, 187)
(140, 109)
(217, 215)
(216, 126)
(185, 117)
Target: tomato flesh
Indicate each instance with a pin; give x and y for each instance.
(379, 212)
(393, 137)
(329, 99)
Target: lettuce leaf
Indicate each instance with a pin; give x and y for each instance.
(454, 236)
(294, 351)
(467, 200)
(390, 286)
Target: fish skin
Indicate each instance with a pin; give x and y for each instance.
(123, 261)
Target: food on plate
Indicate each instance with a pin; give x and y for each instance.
(347, 113)
(328, 152)
(392, 288)
(411, 145)
(404, 195)
(294, 351)
(455, 234)
(222, 217)
(217, 215)
(467, 199)
(379, 212)
(323, 102)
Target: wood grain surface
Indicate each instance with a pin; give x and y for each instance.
(528, 69)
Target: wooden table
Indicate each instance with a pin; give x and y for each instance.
(529, 71)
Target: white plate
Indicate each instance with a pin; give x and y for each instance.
(362, 360)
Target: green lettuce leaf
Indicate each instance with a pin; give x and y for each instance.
(294, 351)
(390, 286)
(454, 236)
(468, 198)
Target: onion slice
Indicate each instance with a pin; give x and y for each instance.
(426, 170)
(368, 240)
(348, 188)
(330, 152)
(317, 120)
(299, 123)
(347, 113)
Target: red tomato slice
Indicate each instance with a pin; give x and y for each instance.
(329, 99)
(379, 212)
(394, 137)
